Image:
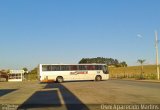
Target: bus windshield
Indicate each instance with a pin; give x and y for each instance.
(105, 69)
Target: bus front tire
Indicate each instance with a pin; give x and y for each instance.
(98, 78)
(59, 79)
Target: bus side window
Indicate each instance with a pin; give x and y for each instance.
(73, 67)
(55, 67)
(44, 67)
(98, 67)
(90, 67)
(64, 67)
(48, 67)
(83, 67)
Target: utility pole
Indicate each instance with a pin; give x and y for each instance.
(156, 46)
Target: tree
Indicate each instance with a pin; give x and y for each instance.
(32, 75)
(25, 73)
(34, 71)
(102, 60)
(123, 64)
(25, 69)
(141, 61)
(83, 60)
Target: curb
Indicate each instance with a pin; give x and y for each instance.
(152, 81)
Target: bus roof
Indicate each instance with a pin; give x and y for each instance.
(74, 64)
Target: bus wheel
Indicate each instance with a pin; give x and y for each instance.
(98, 78)
(59, 79)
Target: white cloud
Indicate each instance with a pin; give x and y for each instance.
(139, 35)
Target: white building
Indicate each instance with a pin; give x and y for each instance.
(16, 75)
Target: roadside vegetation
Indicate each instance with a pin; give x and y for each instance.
(32, 75)
(135, 72)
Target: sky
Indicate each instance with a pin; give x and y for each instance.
(64, 31)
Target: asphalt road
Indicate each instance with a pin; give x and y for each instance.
(82, 95)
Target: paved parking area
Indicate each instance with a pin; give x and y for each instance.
(78, 95)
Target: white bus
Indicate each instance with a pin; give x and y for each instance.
(70, 72)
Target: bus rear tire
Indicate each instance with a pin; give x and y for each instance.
(98, 78)
(59, 79)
